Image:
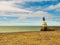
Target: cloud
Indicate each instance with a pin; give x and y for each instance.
(53, 7)
(23, 16)
(33, 14)
(8, 6)
(8, 18)
(8, 9)
(35, 5)
(43, 14)
(28, 0)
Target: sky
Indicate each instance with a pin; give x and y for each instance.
(29, 12)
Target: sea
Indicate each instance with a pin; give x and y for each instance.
(4, 29)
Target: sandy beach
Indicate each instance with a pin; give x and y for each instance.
(30, 38)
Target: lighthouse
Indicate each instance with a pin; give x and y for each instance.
(44, 25)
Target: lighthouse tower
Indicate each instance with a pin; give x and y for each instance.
(44, 25)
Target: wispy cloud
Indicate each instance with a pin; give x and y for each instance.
(26, 12)
(53, 7)
(28, 0)
(35, 5)
(8, 6)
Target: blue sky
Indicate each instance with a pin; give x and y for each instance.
(29, 12)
